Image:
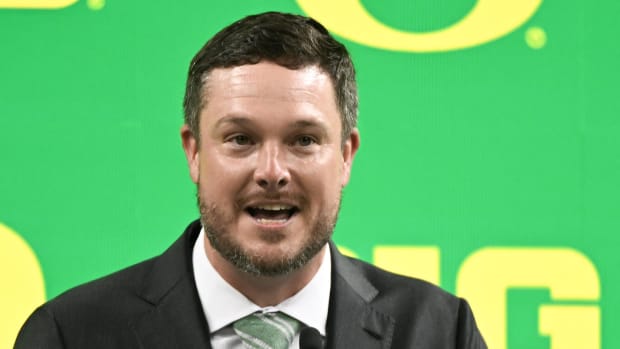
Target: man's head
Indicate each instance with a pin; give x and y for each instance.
(267, 142)
(288, 40)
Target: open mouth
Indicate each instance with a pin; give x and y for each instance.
(272, 214)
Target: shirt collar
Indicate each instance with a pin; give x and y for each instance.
(223, 304)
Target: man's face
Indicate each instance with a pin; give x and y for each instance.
(270, 166)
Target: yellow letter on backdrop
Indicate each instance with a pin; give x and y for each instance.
(486, 276)
(488, 20)
(36, 4)
(21, 280)
(414, 261)
(571, 326)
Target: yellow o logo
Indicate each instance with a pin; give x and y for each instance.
(22, 284)
(487, 21)
(36, 4)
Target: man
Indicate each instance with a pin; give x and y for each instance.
(269, 136)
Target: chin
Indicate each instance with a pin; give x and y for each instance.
(266, 257)
(266, 249)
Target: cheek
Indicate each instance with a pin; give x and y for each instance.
(323, 179)
(219, 174)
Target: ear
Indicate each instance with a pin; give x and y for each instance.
(190, 147)
(348, 153)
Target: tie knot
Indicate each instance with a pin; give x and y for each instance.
(267, 330)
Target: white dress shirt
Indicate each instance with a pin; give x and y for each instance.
(223, 304)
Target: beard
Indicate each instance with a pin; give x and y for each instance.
(214, 221)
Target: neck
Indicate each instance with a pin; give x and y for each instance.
(264, 291)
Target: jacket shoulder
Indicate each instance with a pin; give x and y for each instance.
(94, 309)
(411, 289)
(119, 290)
(425, 315)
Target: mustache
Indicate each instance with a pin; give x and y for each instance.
(243, 200)
(289, 197)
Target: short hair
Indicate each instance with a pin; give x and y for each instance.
(289, 40)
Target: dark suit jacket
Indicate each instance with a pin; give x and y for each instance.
(155, 304)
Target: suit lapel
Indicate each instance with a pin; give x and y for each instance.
(176, 319)
(353, 322)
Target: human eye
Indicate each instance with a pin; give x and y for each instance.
(239, 139)
(305, 141)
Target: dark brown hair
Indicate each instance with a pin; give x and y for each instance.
(289, 40)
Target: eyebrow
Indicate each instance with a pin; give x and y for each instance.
(247, 122)
(237, 120)
(310, 123)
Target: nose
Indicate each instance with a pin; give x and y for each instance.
(271, 171)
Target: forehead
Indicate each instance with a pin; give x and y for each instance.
(267, 78)
(269, 88)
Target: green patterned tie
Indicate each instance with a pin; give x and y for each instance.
(267, 330)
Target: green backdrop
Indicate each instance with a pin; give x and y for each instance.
(509, 146)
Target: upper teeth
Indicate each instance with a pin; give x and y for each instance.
(274, 207)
